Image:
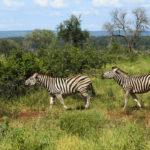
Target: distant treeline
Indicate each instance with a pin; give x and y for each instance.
(98, 43)
(103, 42)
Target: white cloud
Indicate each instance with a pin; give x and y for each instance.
(119, 3)
(86, 12)
(77, 2)
(57, 4)
(51, 3)
(42, 3)
(134, 1)
(106, 3)
(11, 5)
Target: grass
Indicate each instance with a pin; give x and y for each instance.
(27, 123)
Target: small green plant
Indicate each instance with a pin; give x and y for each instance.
(4, 127)
(19, 138)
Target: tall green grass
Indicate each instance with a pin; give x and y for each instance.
(83, 123)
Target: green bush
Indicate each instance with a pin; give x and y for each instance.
(82, 123)
(7, 46)
(14, 70)
(72, 61)
(4, 128)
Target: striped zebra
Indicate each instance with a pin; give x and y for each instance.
(57, 87)
(131, 84)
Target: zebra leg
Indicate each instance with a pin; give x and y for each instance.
(59, 97)
(87, 98)
(51, 101)
(136, 100)
(126, 99)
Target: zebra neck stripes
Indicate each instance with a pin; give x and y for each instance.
(122, 80)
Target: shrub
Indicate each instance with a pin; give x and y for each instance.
(4, 128)
(72, 60)
(13, 72)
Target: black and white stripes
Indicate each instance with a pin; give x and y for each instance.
(131, 84)
(63, 86)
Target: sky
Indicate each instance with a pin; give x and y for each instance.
(48, 14)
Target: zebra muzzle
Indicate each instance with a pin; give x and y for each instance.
(102, 77)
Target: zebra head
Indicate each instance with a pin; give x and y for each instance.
(31, 80)
(110, 74)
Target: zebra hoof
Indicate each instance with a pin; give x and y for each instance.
(123, 110)
(50, 107)
(80, 107)
(87, 108)
(68, 109)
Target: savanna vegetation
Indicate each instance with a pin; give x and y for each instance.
(27, 122)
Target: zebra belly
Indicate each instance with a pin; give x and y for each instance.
(140, 91)
(65, 91)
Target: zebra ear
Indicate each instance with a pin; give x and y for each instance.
(115, 68)
(35, 75)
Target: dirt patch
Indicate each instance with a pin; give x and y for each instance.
(25, 114)
(131, 115)
(115, 115)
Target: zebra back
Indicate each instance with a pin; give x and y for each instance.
(65, 86)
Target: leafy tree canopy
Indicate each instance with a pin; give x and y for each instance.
(70, 31)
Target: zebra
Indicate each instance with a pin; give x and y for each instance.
(57, 87)
(131, 84)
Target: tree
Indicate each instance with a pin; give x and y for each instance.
(70, 31)
(7, 45)
(39, 38)
(129, 30)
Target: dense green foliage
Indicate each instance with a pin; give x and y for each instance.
(13, 72)
(7, 46)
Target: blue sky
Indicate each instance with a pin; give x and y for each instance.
(47, 14)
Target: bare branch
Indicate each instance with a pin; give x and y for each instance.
(129, 30)
(110, 28)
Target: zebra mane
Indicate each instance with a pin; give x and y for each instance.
(44, 75)
(120, 71)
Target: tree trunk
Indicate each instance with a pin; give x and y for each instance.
(129, 45)
(130, 48)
